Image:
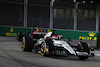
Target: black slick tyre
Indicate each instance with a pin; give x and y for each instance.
(83, 47)
(27, 45)
(47, 47)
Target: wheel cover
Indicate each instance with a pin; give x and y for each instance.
(43, 48)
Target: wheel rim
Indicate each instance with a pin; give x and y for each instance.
(23, 44)
(43, 48)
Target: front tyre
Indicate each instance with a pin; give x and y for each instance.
(83, 47)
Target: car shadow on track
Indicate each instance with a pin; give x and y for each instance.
(75, 58)
(65, 57)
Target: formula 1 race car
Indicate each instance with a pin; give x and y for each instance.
(48, 44)
(20, 36)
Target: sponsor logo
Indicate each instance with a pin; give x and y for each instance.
(11, 32)
(11, 29)
(91, 34)
(90, 37)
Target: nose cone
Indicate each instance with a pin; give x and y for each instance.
(69, 48)
(65, 45)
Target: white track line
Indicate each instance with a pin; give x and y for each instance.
(97, 54)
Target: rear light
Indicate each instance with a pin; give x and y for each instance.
(31, 36)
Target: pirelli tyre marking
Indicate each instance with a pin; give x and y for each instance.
(43, 48)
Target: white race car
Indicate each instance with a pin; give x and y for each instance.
(52, 44)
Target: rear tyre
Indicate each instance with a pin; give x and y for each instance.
(27, 45)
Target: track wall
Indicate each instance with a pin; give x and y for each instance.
(12, 31)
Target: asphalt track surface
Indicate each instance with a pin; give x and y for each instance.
(11, 55)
